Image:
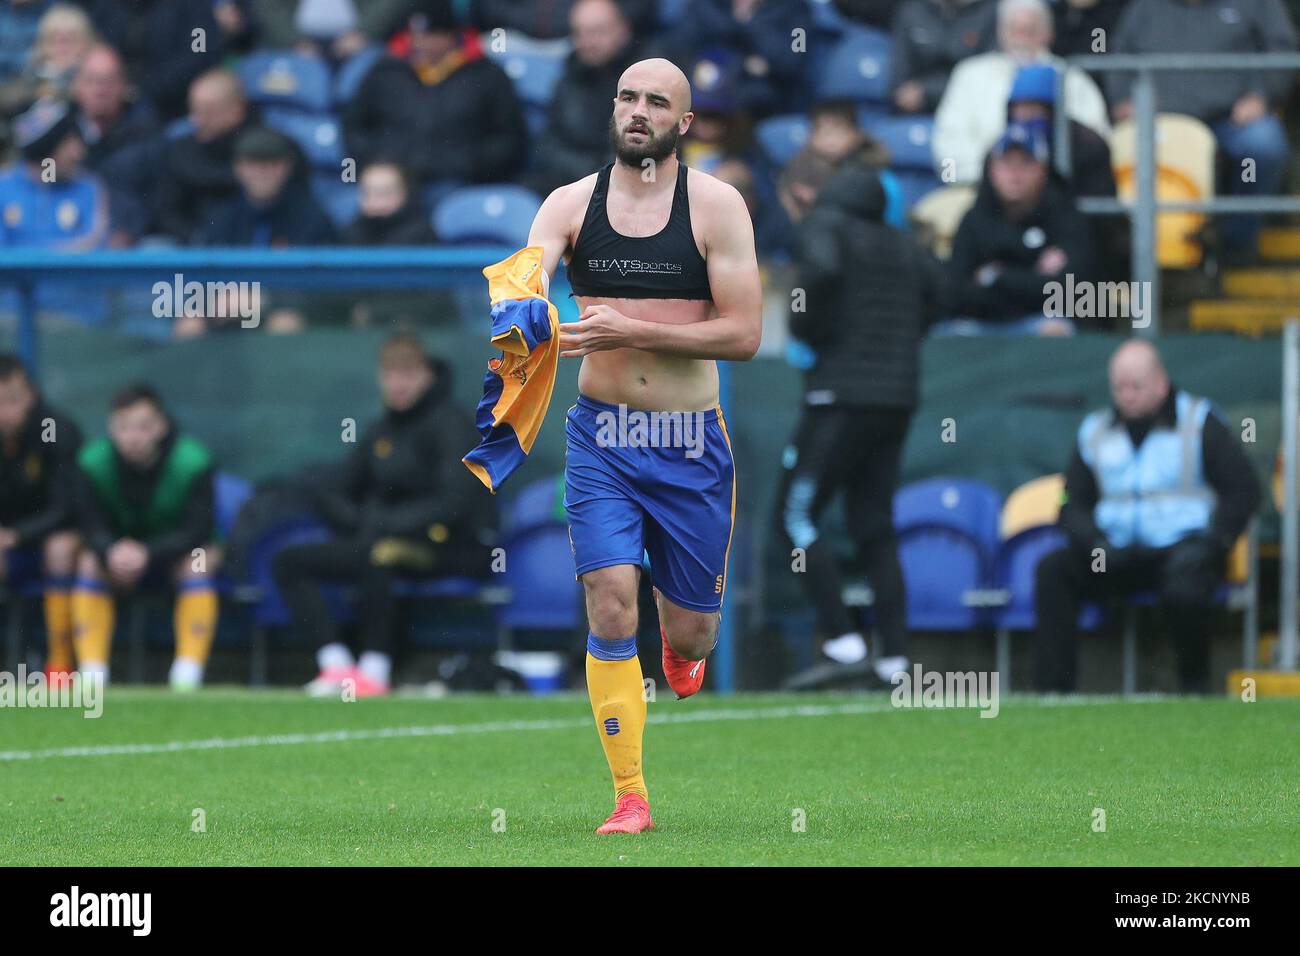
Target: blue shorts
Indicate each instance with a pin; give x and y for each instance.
(652, 483)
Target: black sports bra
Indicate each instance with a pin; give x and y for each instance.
(667, 265)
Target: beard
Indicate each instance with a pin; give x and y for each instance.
(657, 147)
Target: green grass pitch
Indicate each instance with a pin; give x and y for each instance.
(514, 780)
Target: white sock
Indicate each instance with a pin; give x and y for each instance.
(90, 668)
(887, 667)
(186, 672)
(846, 649)
(334, 656)
(378, 667)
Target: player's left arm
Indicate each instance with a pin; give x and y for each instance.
(732, 334)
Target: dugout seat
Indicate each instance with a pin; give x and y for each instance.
(494, 213)
(1184, 171)
(947, 533)
(857, 67)
(544, 594)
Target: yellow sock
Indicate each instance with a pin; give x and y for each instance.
(195, 620)
(92, 621)
(58, 624)
(618, 704)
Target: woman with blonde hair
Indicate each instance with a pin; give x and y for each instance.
(63, 37)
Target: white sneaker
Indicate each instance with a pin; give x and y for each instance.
(186, 675)
(329, 682)
(846, 649)
(887, 667)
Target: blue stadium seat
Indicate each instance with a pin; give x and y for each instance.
(915, 185)
(533, 68)
(539, 561)
(340, 200)
(350, 74)
(671, 12)
(827, 18)
(284, 78)
(178, 128)
(906, 137)
(318, 135)
(947, 535)
(857, 68)
(780, 137)
(229, 493)
(496, 213)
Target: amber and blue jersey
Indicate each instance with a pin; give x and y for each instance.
(517, 387)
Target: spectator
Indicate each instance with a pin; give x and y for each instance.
(801, 180)
(930, 38)
(334, 28)
(389, 215)
(197, 173)
(119, 135)
(63, 36)
(38, 461)
(405, 507)
(46, 199)
(1033, 102)
(721, 127)
(448, 111)
(550, 19)
(834, 139)
(751, 41)
(146, 504)
(972, 114)
(1157, 491)
(1022, 233)
(166, 45)
(771, 226)
(275, 207)
(1239, 105)
(576, 140)
(19, 21)
(869, 294)
(1085, 27)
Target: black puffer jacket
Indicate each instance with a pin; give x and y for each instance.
(870, 292)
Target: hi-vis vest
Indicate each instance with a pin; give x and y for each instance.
(518, 385)
(1154, 495)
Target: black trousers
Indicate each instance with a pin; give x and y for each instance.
(371, 567)
(1184, 576)
(856, 451)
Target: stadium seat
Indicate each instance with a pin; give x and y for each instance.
(350, 74)
(916, 185)
(937, 216)
(539, 562)
(284, 78)
(340, 200)
(906, 137)
(1184, 171)
(826, 18)
(534, 66)
(318, 135)
(493, 213)
(857, 67)
(229, 493)
(947, 538)
(780, 137)
(671, 12)
(1035, 503)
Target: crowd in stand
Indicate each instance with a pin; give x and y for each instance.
(153, 136)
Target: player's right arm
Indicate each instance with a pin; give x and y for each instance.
(553, 225)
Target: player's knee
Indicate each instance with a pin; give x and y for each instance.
(693, 637)
(60, 553)
(611, 613)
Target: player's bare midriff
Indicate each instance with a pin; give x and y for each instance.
(646, 380)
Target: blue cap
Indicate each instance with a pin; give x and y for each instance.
(1035, 83)
(1031, 137)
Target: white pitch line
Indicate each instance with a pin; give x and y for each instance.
(497, 726)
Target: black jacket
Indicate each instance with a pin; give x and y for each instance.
(405, 476)
(469, 127)
(869, 291)
(292, 220)
(1225, 466)
(932, 36)
(196, 178)
(409, 226)
(37, 477)
(986, 236)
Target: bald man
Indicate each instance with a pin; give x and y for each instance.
(661, 260)
(1156, 493)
